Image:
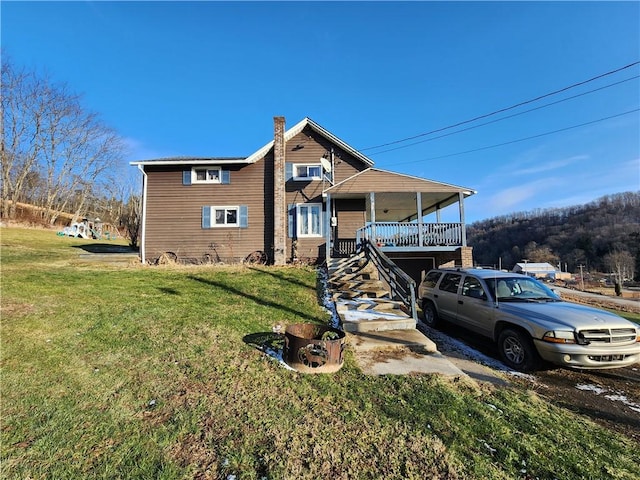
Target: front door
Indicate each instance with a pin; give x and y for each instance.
(348, 216)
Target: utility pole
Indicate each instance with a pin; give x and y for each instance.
(581, 276)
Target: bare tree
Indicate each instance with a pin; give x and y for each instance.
(131, 219)
(621, 264)
(46, 130)
(23, 108)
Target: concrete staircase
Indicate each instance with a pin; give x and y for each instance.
(374, 322)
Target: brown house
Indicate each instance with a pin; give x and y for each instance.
(304, 196)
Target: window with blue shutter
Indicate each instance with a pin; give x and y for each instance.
(291, 223)
(244, 216)
(206, 217)
(225, 216)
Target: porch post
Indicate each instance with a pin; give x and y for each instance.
(327, 228)
(372, 213)
(464, 228)
(419, 206)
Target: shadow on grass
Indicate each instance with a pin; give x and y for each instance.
(105, 248)
(281, 277)
(258, 300)
(269, 343)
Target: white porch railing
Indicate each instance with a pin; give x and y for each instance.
(393, 234)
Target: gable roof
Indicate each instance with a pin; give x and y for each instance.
(398, 193)
(378, 180)
(297, 128)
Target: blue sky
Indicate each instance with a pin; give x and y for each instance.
(207, 78)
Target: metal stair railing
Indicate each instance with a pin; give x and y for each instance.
(403, 287)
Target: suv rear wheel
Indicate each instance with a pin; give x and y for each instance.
(517, 350)
(429, 313)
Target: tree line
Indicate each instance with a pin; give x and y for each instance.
(602, 236)
(58, 156)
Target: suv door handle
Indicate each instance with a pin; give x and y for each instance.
(460, 302)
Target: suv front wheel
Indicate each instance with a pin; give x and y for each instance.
(429, 313)
(517, 350)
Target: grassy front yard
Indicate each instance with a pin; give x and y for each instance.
(142, 372)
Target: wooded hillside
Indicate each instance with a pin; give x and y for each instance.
(579, 235)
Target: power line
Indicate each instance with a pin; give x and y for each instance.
(519, 140)
(504, 109)
(505, 118)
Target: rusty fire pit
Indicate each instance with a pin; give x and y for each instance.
(313, 348)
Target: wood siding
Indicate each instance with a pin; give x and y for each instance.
(173, 220)
(308, 147)
(174, 213)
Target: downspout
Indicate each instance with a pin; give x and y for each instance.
(328, 228)
(143, 225)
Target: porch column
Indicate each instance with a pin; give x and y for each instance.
(327, 228)
(419, 206)
(464, 228)
(372, 213)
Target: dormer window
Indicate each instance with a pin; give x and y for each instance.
(205, 175)
(307, 171)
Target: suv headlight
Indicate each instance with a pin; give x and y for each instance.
(559, 336)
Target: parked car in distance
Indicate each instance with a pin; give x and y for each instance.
(527, 320)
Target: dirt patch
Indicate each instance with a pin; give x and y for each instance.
(611, 398)
(16, 309)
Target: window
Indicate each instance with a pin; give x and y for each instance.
(309, 219)
(450, 282)
(307, 172)
(472, 288)
(206, 174)
(223, 216)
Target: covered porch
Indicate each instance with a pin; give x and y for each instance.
(397, 213)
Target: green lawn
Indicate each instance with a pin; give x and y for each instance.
(142, 372)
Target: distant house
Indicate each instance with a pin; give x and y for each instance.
(306, 195)
(538, 270)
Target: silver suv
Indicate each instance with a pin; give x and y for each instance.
(529, 322)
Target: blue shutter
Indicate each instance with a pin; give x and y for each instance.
(186, 177)
(323, 218)
(226, 177)
(244, 216)
(292, 219)
(206, 217)
(288, 171)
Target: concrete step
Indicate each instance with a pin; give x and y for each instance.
(357, 284)
(357, 321)
(361, 293)
(372, 304)
(410, 339)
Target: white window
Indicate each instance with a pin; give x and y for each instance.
(307, 171)
(205, 175)
(225, 216)
(309, 219)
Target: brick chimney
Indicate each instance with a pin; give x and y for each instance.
(279, 194)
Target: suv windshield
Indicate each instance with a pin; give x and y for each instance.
(519, 289)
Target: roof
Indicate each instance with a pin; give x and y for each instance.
(191, 161)
(260, 153)
(297, 128)
(535, 267)
(397, 192)
(378, 180)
